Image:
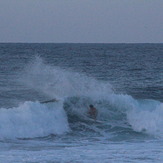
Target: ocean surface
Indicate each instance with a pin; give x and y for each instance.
(123, 81)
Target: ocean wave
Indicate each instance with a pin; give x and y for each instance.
(117, 112)
(121, 116)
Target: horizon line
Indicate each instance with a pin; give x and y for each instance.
(81, 42)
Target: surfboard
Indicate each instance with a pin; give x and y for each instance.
(52, 100)
(95, 120)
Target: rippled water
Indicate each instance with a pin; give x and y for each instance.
(123, 81)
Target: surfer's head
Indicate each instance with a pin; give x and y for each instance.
(91, 106)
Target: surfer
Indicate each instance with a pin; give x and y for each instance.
(92, 112)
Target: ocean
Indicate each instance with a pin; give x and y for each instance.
(123, 81)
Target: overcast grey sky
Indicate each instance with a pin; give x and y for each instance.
(81, 21)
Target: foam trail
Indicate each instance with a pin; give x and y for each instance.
(33, 119)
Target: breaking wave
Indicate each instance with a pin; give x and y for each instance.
(32, 119)
(117, 113)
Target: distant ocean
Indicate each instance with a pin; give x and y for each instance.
(123, 81)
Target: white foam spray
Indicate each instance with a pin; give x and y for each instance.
(147, 118)
(57, 82)
(33, 119)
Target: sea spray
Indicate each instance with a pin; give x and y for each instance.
(58, 82)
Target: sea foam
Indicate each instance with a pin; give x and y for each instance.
(32, 119)
(148, 117)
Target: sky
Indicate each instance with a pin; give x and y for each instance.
(81, 21)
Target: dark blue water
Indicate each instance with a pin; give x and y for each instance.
(123, 81)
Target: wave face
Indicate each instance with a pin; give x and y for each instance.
(119, 115)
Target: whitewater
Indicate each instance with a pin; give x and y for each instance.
(128, 127)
